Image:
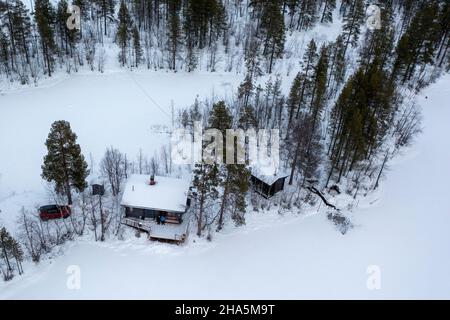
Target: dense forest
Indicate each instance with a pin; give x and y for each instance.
(348, 112)
(237, 35)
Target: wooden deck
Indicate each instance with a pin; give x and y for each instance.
(170, 232)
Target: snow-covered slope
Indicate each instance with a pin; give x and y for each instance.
(404, 233)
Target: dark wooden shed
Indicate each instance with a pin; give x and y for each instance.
(268, 186)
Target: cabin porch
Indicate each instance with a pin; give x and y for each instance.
(170, 232)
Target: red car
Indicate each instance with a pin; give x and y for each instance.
(54, 212)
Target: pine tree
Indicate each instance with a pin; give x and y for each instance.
(204, 21)
(418, 44)
(337, 64)
(137, 49)
(84, 6)
(205, 182)
(252, 59)
(306, 140)
(252, 63)
(245, 90)
(379, 43)
(44, 14)
(14, 17)
(292, 6)
(309, 61)
(360, 118)
(174, 31)
(272, 24)
(106, 10)
(443, 34)
(4, 53)
(247, 119)
(64, 164)
(5, 254)
(191, 53)
(353, 19)
(17, 253)
(293, 101)
(124, 32)
(237, 184)
(67, 37)
(6, 11)
(318, 96)
(221, 119)
(10, 249)
(328, 9)
(233, 177)
(308, 14)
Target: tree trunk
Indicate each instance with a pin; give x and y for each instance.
(223, 204)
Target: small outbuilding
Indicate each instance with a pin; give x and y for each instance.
(157, 205)
(268, 185)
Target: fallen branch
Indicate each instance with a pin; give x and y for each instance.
(318, 193)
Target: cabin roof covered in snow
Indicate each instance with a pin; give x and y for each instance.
(268, 178)
(167, 194)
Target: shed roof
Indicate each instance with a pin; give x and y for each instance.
(167, 194)
(269, 178)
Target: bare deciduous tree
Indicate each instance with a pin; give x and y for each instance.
(113, 168)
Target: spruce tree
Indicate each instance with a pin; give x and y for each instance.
(64, 165)
(44, 14)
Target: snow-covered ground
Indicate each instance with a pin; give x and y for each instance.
(402, 231)
(127, 110)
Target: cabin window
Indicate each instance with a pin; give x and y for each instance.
(150, 213)
(134, 212)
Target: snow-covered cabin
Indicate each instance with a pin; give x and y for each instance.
(147, 199)
(268, 185)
